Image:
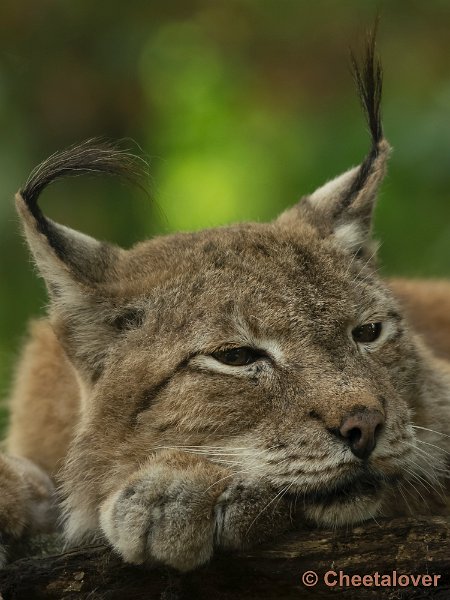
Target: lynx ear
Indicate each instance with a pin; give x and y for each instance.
(63, 255)
(343, 207)
(67, 259)
(75, 267)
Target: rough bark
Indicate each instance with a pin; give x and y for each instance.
(272, 572)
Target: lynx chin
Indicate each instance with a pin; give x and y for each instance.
(213, 389)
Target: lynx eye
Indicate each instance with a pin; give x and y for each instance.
(367, 333)
(237, 357)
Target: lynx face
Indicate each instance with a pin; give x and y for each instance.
(272, 350)
(244, 351)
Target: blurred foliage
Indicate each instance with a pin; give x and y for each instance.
(242, 106)
(3, 418)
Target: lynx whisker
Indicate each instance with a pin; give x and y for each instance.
(409, 481)
(401, 490)
(429, 479)
(350, 264)
(430, 430)
(434, 446)
(427, 456)
(279, 494)
(229, 476)
(364, 265)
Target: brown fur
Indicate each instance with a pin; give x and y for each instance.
(427, 304)
(168, 447)
(45, 376)
(46, 387)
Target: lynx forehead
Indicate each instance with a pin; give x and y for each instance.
(268, 357)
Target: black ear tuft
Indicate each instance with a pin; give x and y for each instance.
(369, 82)
(368, 76)
(343, 207)
(88, 260)
(90, 157)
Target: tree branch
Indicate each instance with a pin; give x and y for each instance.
(271, 572)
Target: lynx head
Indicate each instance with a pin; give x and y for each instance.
(273, 348)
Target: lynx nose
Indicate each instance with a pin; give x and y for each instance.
(361, 429)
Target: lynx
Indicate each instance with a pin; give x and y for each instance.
(210, 390)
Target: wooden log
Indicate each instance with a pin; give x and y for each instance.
(271, 572)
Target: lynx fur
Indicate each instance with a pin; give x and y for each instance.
(213, 389)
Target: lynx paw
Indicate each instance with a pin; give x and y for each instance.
(177, 514)
(165, 513)
(26, 498)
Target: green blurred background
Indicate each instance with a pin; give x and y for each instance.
(241, 106)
